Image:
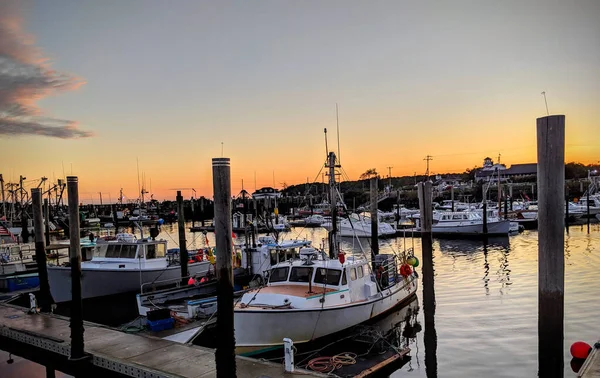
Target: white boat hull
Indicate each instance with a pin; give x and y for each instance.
(494, 228)
(259, 329)
(102, 282)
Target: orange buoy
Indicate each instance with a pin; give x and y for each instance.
(580, 349)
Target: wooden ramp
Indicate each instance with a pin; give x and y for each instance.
(123, 353)
(591, 366)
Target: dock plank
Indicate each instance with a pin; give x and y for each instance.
(133, 352)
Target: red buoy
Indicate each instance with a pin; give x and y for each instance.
(580, 349)
(191, 281)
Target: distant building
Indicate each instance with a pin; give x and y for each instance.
(491, 171)
(266, 192)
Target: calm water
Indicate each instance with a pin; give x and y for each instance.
(486, 302)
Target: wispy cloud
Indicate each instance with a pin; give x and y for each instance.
(25, 78)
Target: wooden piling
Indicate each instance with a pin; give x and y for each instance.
(183, 254)
(225, 352)
(551, 263)
(588, 209)
(76, 322)
(47, 220)
(567, 208)
(332, 237)
(452, 196)
(485, 220)
(374, 218)
(40, 249)
(505, 207)
(430, 335)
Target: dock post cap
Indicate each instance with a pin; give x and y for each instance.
(72, 179)
(222, 161)
(552, 116)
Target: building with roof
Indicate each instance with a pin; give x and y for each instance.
(491, 171)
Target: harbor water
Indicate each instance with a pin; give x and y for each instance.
(485, 320)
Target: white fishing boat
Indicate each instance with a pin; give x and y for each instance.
(359, 226)
(317, 295)
(120, 266)
(464, 223)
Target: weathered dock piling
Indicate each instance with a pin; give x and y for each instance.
(225, 353)
(76, 322)
(485, 220)
(430, 334)
(551, 262)
(47, 220)
(183, 254)
(40, 249)
(374, 218)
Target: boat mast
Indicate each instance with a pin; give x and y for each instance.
(333, 204)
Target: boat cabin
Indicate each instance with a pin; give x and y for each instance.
(268, 253)
(126, 247)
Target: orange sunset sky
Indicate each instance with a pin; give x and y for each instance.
(95, 87)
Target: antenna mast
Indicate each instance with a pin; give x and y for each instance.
(337, 121)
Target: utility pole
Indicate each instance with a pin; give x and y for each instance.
(390, 177)
(428, 159)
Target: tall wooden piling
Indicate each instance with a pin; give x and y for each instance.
(551, 262)
(332, 236)
(588, 209)
(567, 208)
(374, 217)
(225, 353)
(452, 196)
(485, 220)
(47, 220)
(183, 254)
(76, 322)
(40, 249)
(430, 335)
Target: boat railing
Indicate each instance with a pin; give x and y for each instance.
(171, 282)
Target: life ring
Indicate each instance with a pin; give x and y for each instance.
(405, 270)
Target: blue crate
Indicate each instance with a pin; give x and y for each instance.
(161, 325)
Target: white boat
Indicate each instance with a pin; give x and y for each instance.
(318, 295)
(594, 203)
(359, 226)
(457, 206)
(464, 223)
(315, 220)
(120, 266)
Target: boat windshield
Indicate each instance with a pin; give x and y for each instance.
(279, 274)
(328, 276)
(301, 274)
(283, 254)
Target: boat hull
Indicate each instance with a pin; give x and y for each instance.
(258, 330)
(103, 282)
(494, 228)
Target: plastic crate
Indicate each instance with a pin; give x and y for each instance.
(161, 325)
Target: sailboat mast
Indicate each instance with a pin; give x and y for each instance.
(333, 204)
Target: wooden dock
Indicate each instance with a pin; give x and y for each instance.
(45, 339)
(591, 366)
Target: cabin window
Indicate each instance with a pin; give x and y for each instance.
(100, 251)
(301, 274)
(328, 276)
(457, 216)
(150, 251)
(113, 250)
(273, 257)
(279, 274)
(360, 271)
(344, 280)
(128, 251)
(353, 274)
(160, 250)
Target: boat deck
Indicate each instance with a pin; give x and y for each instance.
(295, 290)
(115, 351)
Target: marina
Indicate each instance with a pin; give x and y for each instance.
(283, 189)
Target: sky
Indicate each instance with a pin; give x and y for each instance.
(99, 88)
